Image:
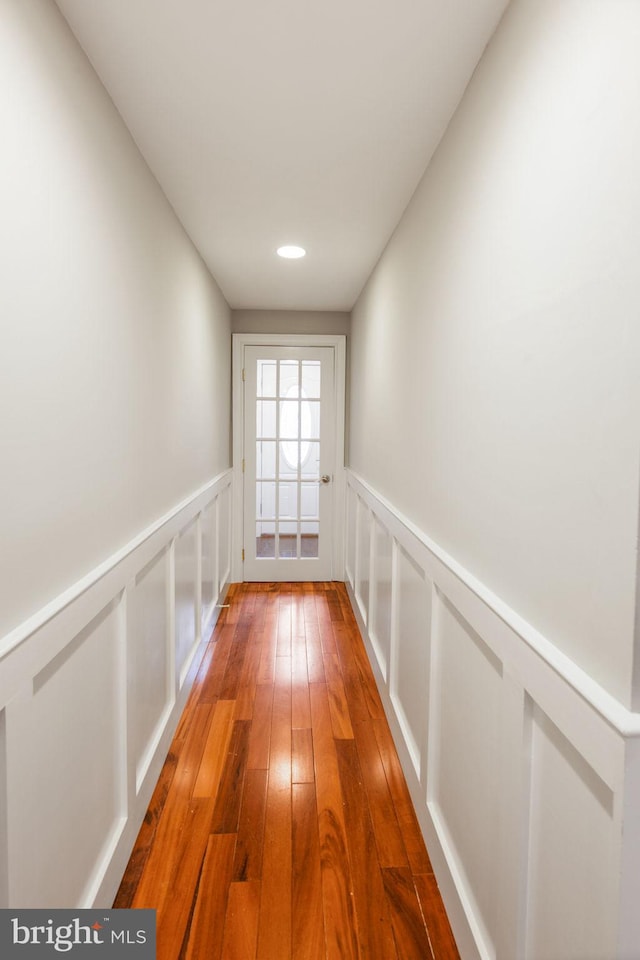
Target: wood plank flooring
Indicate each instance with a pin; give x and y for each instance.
(281, 827)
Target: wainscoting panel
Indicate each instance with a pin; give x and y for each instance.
(149, 662)
(572, 810)
(187, 587)
(524, 772)
(223, 527)
(380, 607)
(464, 761)
(4, 824)
(363, 565)
(67, 775)
(91, 691)
(409, 687)
(209, 561)
(352, 519)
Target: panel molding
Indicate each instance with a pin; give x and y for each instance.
(53, 639)
(533, 678)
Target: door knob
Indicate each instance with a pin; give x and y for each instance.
(325, 478)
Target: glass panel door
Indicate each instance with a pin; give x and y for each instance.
(289, 446)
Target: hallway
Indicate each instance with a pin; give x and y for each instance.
(281, 826)
(463, 179)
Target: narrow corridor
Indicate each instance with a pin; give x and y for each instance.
(281, 827)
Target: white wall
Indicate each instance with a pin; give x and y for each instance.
(114, 367)
(495, 394)
(523, 772)
(115, 487)
(494, 487)
(290, 321)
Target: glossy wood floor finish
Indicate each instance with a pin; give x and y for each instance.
(281, 827)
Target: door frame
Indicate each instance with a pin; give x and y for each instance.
(239, 342)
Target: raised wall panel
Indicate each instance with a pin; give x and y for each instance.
(66, 768)
(4, 833)
(572, 885)
(362, 562)
(352, 508)
(381, 589)
(186, 567)
(464, 768)
(149, 682)
(409, 677)
(209, 561)
(224, 537)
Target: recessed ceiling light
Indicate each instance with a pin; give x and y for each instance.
(291, 252)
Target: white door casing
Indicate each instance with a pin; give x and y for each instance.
(288, 455)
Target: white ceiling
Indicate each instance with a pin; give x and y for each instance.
(275, 121)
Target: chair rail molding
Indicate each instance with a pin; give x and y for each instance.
(91, 690)
(523, 770)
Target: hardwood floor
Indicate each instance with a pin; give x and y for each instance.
(281, 827)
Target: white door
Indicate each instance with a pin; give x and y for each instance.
(289, 452)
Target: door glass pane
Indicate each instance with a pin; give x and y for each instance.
(265, 541)
(266, 460)
(289, 420)
(310, 541)
(265, 501)
(311, 378)
(288, 540)
(309, 501)
(265, 418)
(311, 419)
(267, 378)
(288, 500)
(287, 471)
(310, 467)
(289, 376)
